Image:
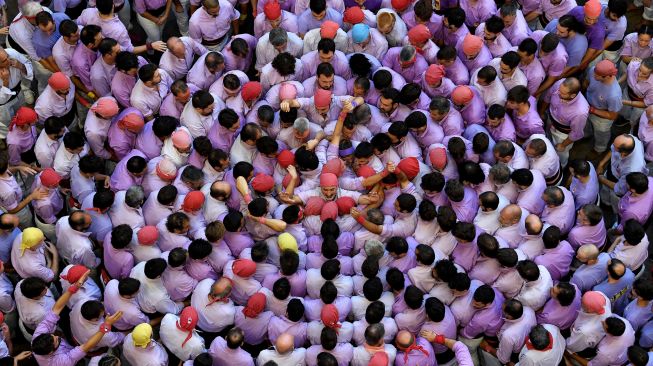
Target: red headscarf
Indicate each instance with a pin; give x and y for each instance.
(329, 316)
(187, 322)
(24, 116)
(255, 305)
(244, 267)
(74, 273)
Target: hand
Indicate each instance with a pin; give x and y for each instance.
(560, 147)
(285, 106)
(428, 335)
(347, 107)
(160, 20)
(159, 46)
(4, 30)
(111, 319)
(600, 169)
(355, 213)
(52, 249)
(28, 170)
(292, 171)
(107, 182)
(311, 144)
(82, 280)
(23, 355)
(39, 194)
(5, 331)
(284, 197)
(18, 65)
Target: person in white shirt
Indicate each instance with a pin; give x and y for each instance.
(545, 345)
(179, 336)
(153, 296)
(283, 353)
(373, 343)
(489, 210)
(537, 284)
(218, 310)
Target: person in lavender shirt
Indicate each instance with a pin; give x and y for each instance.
(593, 269)
(637, 44)
(468, 101)
(589, 228)
(454, 67)
(499, 125)
(406, 61)
(519, 320)
(474, 53)
(559, 209)
(228, 350)
(273, 16)
(632, 248)
(584, 183)
(568, 112)
(495, 41)
(315, 15)
(50, 349)
(531, 185)
(530, 65)
(562, 308)
(638, 311)
(617, 285)
(557, 254)
(523, 106)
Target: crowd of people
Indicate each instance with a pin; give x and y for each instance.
(357, 182)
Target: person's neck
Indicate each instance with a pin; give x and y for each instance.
(105, 16)
(584, 179)
(612, 280)
(641, 302)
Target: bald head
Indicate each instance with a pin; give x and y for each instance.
(404, 339)
(285, 343)
(510, 215)
(220, 190)
(624, 144)
(176, 47)
(533, 224)
(587, 252)
(572, 85)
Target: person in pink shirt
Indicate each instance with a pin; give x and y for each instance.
(121, 136)
(273, 16)
(239, 52)
(406, 61)
(435, 83)
(129, 171)
(419, 37)
(118, 261)
(291, 323)
(211, 25)
(176, 280)
(526, 119)
(228, 350)
(22, 136)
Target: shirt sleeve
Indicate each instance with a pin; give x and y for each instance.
(47, 325)
(506, 345)
(473, 329)
(462, 354)
(165, 306)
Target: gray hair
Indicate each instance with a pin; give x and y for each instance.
(135, 196)
(374, 249)
(278, 37)
(375, 216)
(301, 124)
(31, 8)
(407, 53)
(362, 114)
(508, 9)
(500, 173)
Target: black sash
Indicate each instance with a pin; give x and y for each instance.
(560, 127)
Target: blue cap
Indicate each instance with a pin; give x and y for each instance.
(360, 32)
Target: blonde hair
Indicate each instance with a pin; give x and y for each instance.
(385, 19)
